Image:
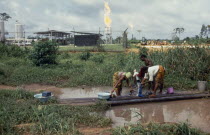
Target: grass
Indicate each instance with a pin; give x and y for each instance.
(20, 114)
(19, 108)
(184, 67)
(157, 129)
(111, 47)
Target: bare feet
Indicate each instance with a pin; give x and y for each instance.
(152, 96)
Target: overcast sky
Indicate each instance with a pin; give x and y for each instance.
(156, 18)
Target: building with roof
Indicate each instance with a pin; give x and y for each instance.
(58, 36)
(86, 39)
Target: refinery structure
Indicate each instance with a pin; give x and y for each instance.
(19, 36)
(2, 31)
(108, 22)
(19, 32)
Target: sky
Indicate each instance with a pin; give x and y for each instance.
(155, 18)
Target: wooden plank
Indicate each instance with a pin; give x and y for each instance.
(170, 98)
(133, 99)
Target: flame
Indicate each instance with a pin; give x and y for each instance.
(131, 26)
(107, 19)
(107, 8)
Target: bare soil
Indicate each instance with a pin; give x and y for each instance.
(95, 131)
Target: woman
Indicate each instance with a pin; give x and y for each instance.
(118, 79)
(154, 74)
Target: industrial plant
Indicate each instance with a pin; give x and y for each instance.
(21, 37)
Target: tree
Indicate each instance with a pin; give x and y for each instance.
(3, 17)
(179, 31)
(118, 40)
(204, 31)
(44, 53)
(175, 37)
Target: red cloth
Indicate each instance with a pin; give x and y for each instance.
(141, 73)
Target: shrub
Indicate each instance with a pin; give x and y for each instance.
(85, 55)
(143, 50)
(12, 51)
(97, 58)
(44, 53)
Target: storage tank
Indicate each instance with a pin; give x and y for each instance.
(19, 31)
(2, 31)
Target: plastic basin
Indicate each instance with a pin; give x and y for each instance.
(41, 98)
(104, 95)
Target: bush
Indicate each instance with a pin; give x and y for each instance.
(85, 55)
(143, 51)
(97, 58)
(12, 51)
(44, 53)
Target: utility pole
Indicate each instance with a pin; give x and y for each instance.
(125, 39)
(208, 27)
(139, 31)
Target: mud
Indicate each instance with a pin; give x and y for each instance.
(87, 92)
(195, 112)
(95, 131)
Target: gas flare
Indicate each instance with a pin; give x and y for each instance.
(107, 19)
(131, 26)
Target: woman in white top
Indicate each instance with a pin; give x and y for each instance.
(154, 74)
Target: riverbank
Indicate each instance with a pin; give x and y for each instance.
(22, 114)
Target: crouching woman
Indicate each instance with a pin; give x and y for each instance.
(118, 79)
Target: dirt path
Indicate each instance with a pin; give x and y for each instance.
(95, 131)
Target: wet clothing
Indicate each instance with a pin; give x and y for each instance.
(155, 73)
(136, 75)
(160, 75)
(116, 78)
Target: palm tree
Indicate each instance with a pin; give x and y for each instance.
(3, 17)
(179, 31)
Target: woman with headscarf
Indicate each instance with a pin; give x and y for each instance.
(118, 79)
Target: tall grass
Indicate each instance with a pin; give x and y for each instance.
(19, 107)
(184, 66)
(157, 129)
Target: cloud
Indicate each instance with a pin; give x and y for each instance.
(156, 18)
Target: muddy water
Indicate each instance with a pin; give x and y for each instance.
(86, 92)
(195, 112)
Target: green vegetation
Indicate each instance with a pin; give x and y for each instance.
(184, 66)
(157, 129)
(44, 53)
(21, 113)
(102, 48)
(13, 51)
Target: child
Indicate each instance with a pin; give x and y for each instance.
(138, 83)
